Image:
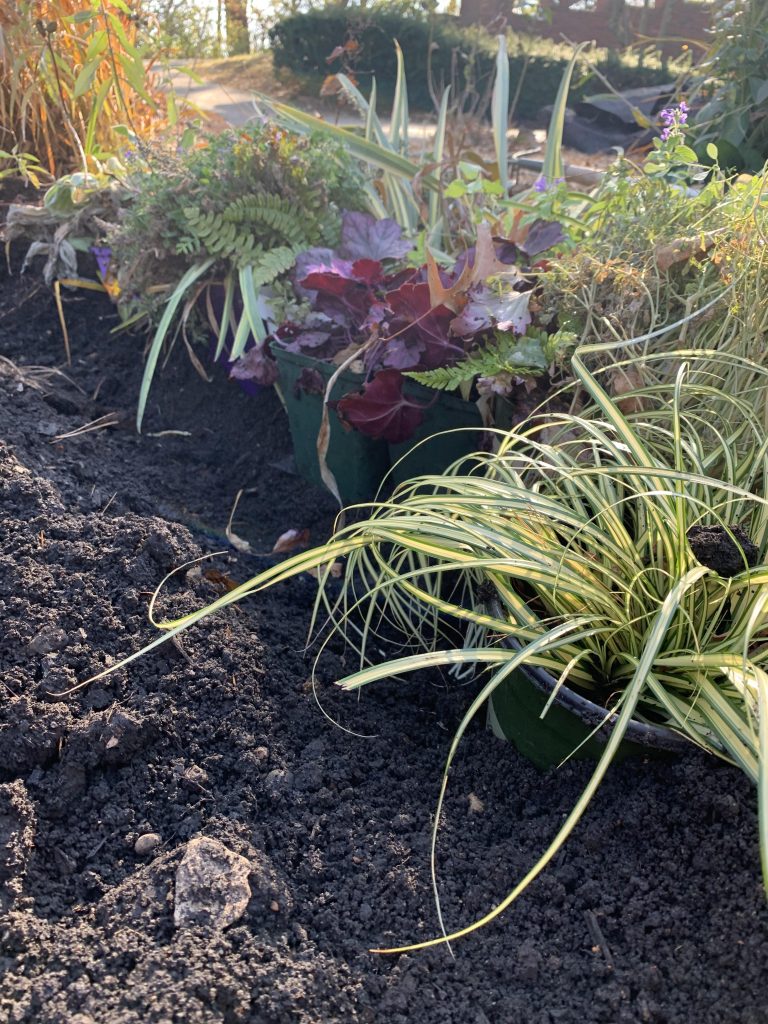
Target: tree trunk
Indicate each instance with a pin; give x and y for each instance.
(238, 38)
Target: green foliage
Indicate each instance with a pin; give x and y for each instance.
(244, 230)
(72, 74)
(181, 28)
(649, 252)
(233, 210)
(735, 118)
(233, 197)
(462, 57)
(528, 356)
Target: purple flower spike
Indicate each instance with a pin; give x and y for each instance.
(540, 185)
(103, 256)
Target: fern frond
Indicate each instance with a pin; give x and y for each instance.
(272, 264)
(524, 356)
(288, 223)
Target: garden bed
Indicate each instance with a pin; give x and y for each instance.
(655, 912)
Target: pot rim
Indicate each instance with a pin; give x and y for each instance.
(657, 737)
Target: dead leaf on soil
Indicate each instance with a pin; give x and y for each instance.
(290, 540)
(220, 580)
(237, 542)
(335, 570)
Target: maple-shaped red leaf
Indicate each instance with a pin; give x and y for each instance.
(381, 410)
(422, 325)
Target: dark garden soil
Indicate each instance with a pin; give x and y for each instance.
(654, 913)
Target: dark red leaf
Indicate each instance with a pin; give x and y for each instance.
(382, 410)
(418, 323)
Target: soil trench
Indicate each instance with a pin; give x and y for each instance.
(654, 913)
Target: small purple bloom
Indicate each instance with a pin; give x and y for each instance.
(103, 256)
(541, 184)
(672, 118)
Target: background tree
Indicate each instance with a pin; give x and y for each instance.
(238, 34)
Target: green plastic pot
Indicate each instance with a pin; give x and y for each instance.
(514, 714)
(450, 430)
(358, 463)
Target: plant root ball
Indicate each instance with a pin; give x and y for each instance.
(726, 551)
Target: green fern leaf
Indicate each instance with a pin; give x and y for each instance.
(525, 356)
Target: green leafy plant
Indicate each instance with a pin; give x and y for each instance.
(511, 355)
(214, 224)
(397, 191)
(649, 256)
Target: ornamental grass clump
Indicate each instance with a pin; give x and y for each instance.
(73, 76)
(624, 553)
(680, 268)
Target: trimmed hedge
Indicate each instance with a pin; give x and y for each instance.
(302, 42)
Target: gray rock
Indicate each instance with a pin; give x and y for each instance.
(212, 887)
(145, 844)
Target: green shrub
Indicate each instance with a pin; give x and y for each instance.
(735, 118)
(302, 42)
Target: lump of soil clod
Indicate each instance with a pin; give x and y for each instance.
(726, 551)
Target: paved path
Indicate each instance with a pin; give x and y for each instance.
(234, 105)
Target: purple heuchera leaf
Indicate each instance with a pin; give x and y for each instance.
(382, 410)
(402, 354)
(344, 290)
(542, 235)
(416, 321)
(256, 365)
(363, 237)
(512, 313)
(309, 258)
(309, 340)
(332, 275)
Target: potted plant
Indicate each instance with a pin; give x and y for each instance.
(410, 362)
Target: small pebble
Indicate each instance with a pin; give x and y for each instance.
(146, 844)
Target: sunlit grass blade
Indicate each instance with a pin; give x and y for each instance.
(500, 111)
(179, 294)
